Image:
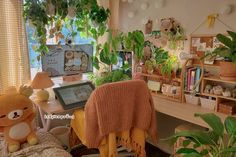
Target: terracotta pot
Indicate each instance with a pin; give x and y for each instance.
(227, 70)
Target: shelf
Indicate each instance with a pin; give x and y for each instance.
(159, 77)
(219, 96)
(160, 95)
(183, 111)
(217, 79)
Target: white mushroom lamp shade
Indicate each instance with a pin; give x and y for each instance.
(42, 81)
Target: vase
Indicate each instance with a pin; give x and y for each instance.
(227, 71)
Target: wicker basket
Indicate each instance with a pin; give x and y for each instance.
(208, 103)
(192, 99)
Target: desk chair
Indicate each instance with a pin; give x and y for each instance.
(117, 113)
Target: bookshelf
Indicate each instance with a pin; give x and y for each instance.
(214, 80)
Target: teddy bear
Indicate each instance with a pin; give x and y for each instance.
(16, 117)
(167, 25)
(170, 25)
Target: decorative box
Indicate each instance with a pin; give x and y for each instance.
(227, 107)
(208, 103)
(154, 85)
(171, 90)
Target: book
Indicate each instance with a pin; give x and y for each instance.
(192, 78)
(197, 78)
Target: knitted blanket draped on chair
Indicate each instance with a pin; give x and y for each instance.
(118, 107)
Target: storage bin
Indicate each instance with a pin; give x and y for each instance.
(208, 103)
(192, 99)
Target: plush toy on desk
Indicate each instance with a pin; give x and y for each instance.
(16, 116)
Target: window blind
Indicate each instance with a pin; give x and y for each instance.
(14, 56)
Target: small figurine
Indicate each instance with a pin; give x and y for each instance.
(218, 90)
(208, 89)
(227, 92)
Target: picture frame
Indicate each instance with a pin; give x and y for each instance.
(65, 60)
(75, 95)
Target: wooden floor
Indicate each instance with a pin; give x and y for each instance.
(151, 151)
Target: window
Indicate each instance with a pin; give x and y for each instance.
(35, 65)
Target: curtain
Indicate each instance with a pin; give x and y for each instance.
(14, 56)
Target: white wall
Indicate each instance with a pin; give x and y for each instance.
(190, 13)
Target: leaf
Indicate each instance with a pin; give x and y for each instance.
(204, 152)
(197, 137)
(114, 58)
(96, 63)
(232, 34)
(193, 155)
(104, 57)
(186, 143)
(224, 40)
(222, 51)
(186, 151)
(228, 150)
(230, 125)
(214, 122)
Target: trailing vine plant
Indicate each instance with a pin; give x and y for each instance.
(49, 16)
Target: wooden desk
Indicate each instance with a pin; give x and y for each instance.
(51, 107)
(182, 111)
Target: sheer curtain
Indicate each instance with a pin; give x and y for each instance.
(14, 56)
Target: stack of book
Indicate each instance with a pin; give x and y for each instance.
(191, 77)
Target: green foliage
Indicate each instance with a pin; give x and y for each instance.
(134, 41)
(160, 55)
(167, 66)
(107, 53)
(213, 143)
(90, 19)
(228, 51)
(113, 76)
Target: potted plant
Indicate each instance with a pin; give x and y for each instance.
(168, 66)
(219, 141)
(228, 52)
(150, 65)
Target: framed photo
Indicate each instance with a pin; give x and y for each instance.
(75, 95)
(68, 60)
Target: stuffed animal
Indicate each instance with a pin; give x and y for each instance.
(167, 25)
(16, 116)
(171, 26)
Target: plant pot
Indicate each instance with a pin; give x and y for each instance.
(227, 71)
(150, 71)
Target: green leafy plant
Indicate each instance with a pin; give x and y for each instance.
(108, 77)
(150, 65)
(134, 41)
(228, 50)
(107, 54)
(168, 65)
(164, 61)
(212, 143)
(160, 55)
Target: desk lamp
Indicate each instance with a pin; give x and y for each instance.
(42, 81)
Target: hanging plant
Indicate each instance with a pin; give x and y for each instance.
(49, 16)
(174, 32)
